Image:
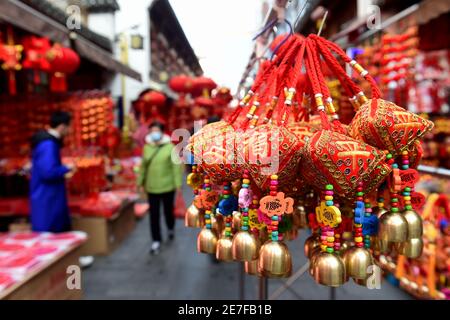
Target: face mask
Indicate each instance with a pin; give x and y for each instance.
(156, 136)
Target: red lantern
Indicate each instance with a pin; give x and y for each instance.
(181, 84)
(154, 98)
(62, 61)
(36, 55)
(203, 85)
(10, 54)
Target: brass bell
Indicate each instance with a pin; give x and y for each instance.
(223, 250)
(192, 217)
(314, 254)
(245, 246)
(310, 244)
(379, 211)
(357, 260)
(329, 270)
(411, 248)
(344, 247)
(299, 217)
(207, 241)
(275, 260)
(383, 246)
(251, 267)
(393, 227)
(237, 223)
(415, 227)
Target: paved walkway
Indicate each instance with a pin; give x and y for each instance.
(179, 272)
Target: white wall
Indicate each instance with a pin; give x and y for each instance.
(103, 24)
(133, 13)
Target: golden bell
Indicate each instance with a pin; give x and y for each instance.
(344, 247)
(329, 270)
(275, 260)
(356, 261)
(236, 221)
(299, 217)
(192, 217)
(379, 211)
(217, 223)
(207, 241)
(381, 246)
(245, 246)
(415, 226)
(411, 248)
(251, 267)
(314, 254)
(223, 249)
(310, 244)
(393, 227)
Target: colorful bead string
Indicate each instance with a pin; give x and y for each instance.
(275, 219)
(229, 218)
(195, 171)
(244, 211)
(367, 213)
(407, 190)
(327, 233)
(358, 227)
(393, 191)
(207, 187)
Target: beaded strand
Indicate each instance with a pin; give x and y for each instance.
(407, 190)
(245, 185)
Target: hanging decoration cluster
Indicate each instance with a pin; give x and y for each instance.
(284, 161)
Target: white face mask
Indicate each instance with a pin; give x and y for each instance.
(156, 136)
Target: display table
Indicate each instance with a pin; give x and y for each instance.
(105, 233)
(33, 266)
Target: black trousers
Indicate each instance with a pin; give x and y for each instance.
(154, 201)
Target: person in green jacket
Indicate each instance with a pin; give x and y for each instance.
(160, 177)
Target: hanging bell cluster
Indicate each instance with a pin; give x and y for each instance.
(283, 161)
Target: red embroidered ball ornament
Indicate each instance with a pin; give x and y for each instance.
(215, 151)
(269, 149)
(333, 158)
(387, 126)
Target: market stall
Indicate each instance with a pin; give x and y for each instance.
(36, 266)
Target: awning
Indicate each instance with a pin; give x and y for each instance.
(31, 20)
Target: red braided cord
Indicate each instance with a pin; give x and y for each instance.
(314, 81)
(347, 83)
(335, 48)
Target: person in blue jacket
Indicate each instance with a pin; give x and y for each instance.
(48, 198)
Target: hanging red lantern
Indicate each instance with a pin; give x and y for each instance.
(154, 98)
(181, 84)
(36, 49)
(203, 85)
(10, 54)
(63, 61)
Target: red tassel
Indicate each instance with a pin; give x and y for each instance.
(12, 83)
(58, 82)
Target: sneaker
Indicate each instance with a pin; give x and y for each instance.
(155, 247)
(86, 261)
(171, 234)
